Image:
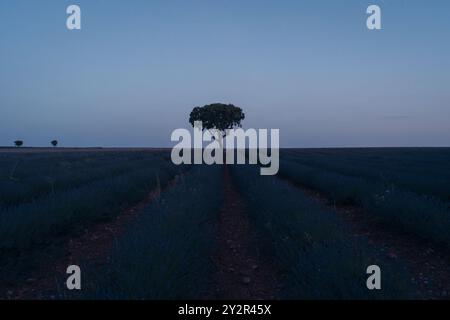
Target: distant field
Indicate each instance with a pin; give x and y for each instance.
(225, 231)
(405, 187)
(422, 170)
(59, 150)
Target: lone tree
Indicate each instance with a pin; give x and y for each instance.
(18, 143)
(54, 143)
(218, 116)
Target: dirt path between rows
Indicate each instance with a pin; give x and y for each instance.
(92, 246)
(428, 263)
(242, 271)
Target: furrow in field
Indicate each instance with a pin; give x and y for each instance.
(165, 252)
(92, 245)
(242, 272)
(312, 247)
(427, 262)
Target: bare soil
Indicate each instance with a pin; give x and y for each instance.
(242, 271)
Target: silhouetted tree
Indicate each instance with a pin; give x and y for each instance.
(18, 143)
(54, 143)
(217, 116)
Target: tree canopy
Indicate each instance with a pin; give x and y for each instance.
(218, 116)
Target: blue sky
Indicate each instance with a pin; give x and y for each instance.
(310, 68)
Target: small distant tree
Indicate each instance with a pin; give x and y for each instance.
(54, 143)
(18, 143)
(218, 116)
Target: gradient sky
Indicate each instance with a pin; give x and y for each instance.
(310, 68)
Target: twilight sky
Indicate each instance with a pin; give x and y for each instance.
(308, 67)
